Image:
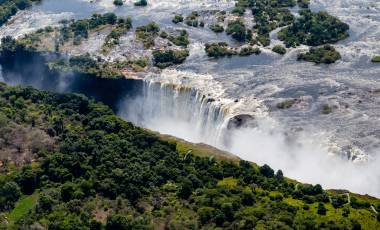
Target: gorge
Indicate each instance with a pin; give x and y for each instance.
(197, 117)
(190, 114)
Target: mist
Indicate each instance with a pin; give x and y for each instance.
(306, 156)
(308, 159)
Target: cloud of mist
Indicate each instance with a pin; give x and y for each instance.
(307, 160)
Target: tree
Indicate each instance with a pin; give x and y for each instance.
(237, 30)
(163, 59)
(141, 3)
(321, 209)
(267, 171)
(186, 189)
(9, 194)
(279, 175)
(67, 191)
(118, 2)
(228, 211)
(110, 18)
(117, 222)
(279, 49)
(27, 180)
(205, 214)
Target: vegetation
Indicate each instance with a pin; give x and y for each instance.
(217, 28)
(287, 104)
(8, 8)
(247, 51)
(268, 16)
(237, 30)
(177, 18)
(118, 2)
(220, 49)
(325, 54)
(79, 29)
(121, 28)
(376, 59)
(141, 3)
(303, 3)
(163, 59)
(326, 109)
(279, 49)
(314, 29)
(147, 34)
(105, 173)
(238, 10)
(181, 40)
(87, 64)
(192, 19)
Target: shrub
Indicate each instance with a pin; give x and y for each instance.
(321, 209)
(266, 171)
(192, 19)
(220, 49)
(279, 49)
(246, 51)
(177, 18)
(376, 59)
(325, 54)
(287, 104)
(237, 30)
(118, 2)
(238, 10)
(216, 28)
(181, 40)
(141, 3)
(326, 109)
(163, 59)
(303, 3)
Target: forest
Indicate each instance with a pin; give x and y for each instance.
(314, 29)
(86, 168)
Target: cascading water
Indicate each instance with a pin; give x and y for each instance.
(195, 117)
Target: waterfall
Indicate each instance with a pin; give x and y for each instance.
(180, 111)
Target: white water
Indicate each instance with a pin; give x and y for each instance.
(181, 112)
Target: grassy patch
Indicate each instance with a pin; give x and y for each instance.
(229, 183)
(22, 207)
(376, 59)
(201, 150)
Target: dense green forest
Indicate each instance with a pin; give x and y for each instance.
(314, 29)
(68, 162)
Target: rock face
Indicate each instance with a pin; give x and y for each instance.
(241, 121)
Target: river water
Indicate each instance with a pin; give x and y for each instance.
(200, 100)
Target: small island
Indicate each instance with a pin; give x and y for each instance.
(376, 59)
(325, 54)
